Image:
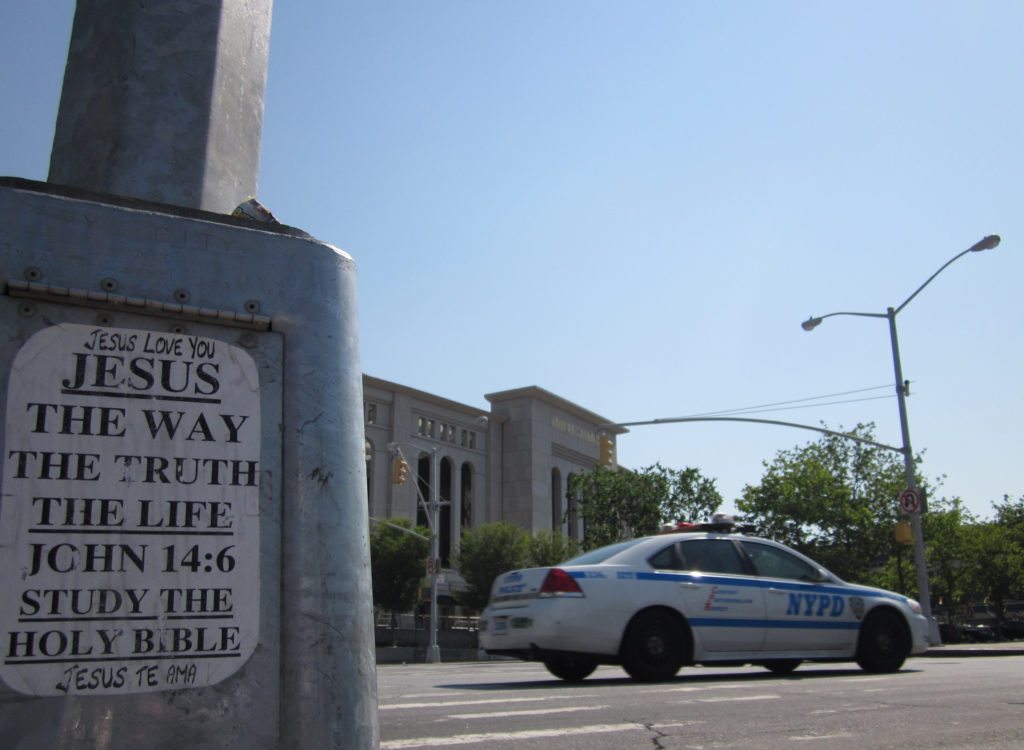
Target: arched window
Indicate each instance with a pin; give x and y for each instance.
(556, 499)
(466, 494)
(573, 513)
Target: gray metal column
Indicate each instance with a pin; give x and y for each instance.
(231, 607)
(164, 100)
(294, 667)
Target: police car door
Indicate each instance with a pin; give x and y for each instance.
(806, 611)
(721, 599)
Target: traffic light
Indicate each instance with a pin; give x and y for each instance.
(606, 448)
(903, 533)
(399, 471)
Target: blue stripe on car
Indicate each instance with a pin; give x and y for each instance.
(773, 583)
(716, 622)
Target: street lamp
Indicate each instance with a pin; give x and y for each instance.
(902, 387)
(432, 508)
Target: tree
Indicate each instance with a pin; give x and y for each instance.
(617, 505)
(549, 548)
(485, 553)
(692, 496)
(996, 566)
(622, 504)
(1010, 513)
(397, 559)
(947, 547)
(834, 500)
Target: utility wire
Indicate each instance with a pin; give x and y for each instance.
(753, 410)
(761, 408)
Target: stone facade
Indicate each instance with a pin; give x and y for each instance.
(511, 463)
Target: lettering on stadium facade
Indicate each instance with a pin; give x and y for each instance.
(573, 429)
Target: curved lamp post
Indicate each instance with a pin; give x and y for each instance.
(902, 387)
(431, 508)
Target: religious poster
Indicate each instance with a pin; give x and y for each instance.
(129, 519)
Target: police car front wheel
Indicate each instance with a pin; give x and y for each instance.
(654, 646)
(883, 644)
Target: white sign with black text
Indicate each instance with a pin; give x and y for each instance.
(129, 521)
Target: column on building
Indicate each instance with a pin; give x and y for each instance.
(545, 440)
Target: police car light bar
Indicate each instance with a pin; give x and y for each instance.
(720, 522)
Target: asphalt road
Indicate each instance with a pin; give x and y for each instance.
(936, 702)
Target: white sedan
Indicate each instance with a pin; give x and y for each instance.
(696, 597)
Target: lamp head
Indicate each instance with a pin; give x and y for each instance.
(810, 324)
(986, 243)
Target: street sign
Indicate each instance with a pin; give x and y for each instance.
(910, 501)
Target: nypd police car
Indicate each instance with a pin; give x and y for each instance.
(702, 594)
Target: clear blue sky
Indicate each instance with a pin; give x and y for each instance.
(635, 204)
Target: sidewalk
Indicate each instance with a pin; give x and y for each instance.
(1006, 648)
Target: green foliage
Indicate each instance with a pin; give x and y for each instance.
(692, 496)
(617, 505)
(549, 548)
(996, 563)
(947, 548)
(1010, 513)
(896, 574)
(834, 500)
(486, 552)
(397, 564)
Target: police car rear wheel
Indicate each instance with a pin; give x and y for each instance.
(883, 645)
(570, 668)
(652, 650)
(782, 666)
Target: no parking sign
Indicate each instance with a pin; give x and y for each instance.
(910, 500)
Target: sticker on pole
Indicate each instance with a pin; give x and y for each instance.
(129, 519)
(910, 501)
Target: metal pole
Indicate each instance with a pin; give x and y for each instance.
(433, 651)
(310, 681)
(986, 243)
(164, 101)
(924, 589)
(431, 508)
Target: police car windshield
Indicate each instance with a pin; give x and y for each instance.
(601, 554)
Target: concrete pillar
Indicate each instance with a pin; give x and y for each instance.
(163, 100)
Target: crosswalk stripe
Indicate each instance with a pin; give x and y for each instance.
(526, 734)
(483, 702)
(527, 712)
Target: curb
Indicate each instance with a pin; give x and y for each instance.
(965, 651)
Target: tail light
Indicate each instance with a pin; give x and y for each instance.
(559, 583)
